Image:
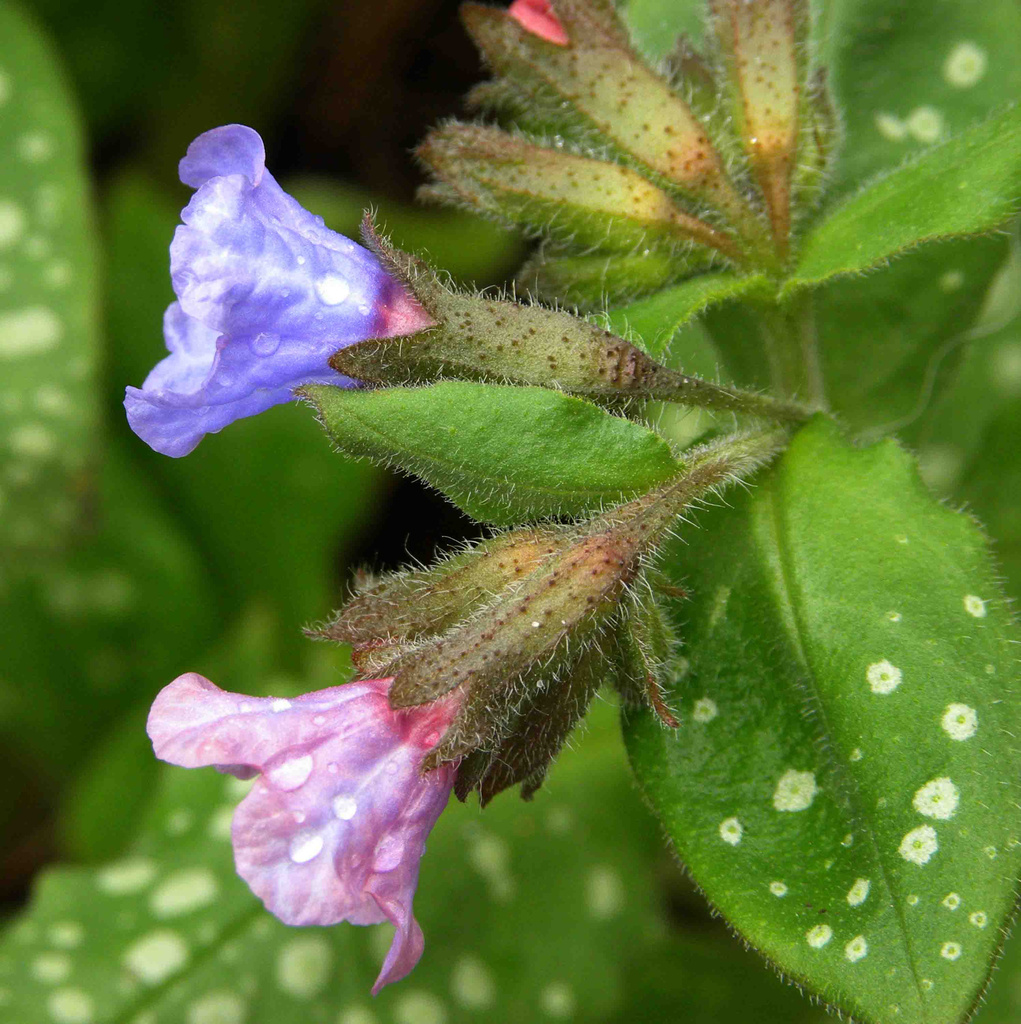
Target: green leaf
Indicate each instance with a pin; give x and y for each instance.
(907, 73)
(844, 786)
(502, 454)
(967, 185)
(656, 319)
(48, 302)
(656, 24)
(82, 640)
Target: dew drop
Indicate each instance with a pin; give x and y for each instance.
(305, 846)
(332, 289)
(388, 855)
(264, 344)
(345, 807)
(292, 774)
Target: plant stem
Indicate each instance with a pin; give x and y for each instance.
(793, 349)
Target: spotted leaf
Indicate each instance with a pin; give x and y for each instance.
(845, 783)
(48, 306)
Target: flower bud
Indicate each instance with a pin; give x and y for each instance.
(592, 203)
(764, 48)
(604, 89)
(494, 340)
(559, 618)
(388, 615)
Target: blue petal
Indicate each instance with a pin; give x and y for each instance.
(266, 294)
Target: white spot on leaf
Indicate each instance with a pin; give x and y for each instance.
(858, 892)
(70, 1006)
(959, 721)
(705, 710)
(975, 606)
(217, 1008)
(183, 891)
(303, 966)
(890, 126)
(795, 791)
(126, 876)
(604, 893)
(950, 950)
(156, 957)
(965, 65)
(883, 677)
(731, 831)
(925, 124)
(778, 888)
(34, 147)
(12, 223)
(51, 968)
(471, 984)
(28, 332)
(919, 845)
(419, 1007)
(818, 936)
(951, 901)
(938, 798)
(856, 949)
(66, 934)
(557, 1000)
(978, 918)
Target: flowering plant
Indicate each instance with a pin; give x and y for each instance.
(707, 449)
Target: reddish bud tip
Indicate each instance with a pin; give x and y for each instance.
(537, 17)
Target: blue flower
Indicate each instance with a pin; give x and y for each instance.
(265, 295)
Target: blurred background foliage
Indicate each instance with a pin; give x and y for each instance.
(568, 908)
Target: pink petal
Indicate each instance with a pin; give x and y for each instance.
(335, 826)
(193, 723)
(537, 17)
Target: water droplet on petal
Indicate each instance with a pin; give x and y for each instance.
(389, 853)
(305, 846)
(264, 344)
(332, 289)
(292, 774)
(345, 807)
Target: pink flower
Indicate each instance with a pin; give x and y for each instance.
(336, 823)
(537, 17)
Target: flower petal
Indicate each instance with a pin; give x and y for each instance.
(231, 149)
(537, 17)
(193, 723)
(266, 294)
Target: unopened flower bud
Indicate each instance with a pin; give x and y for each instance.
(764, 47)
(560, 616)
(595, 204)
(498, 341)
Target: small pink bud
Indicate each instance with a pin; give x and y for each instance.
(537, 17)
